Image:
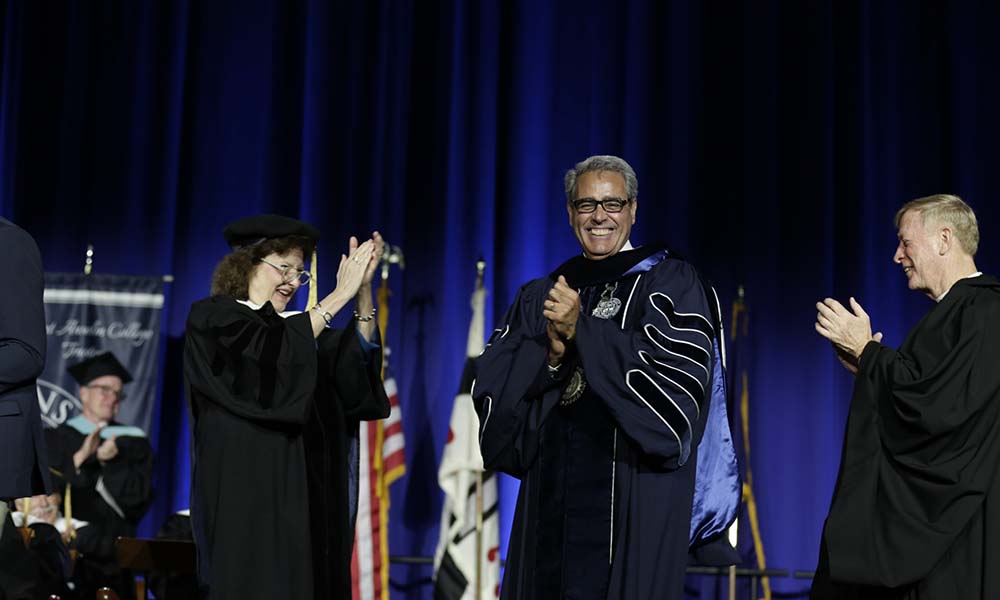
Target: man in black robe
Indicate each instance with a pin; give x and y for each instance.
(595, 391)
(916, 508)
(108, 468)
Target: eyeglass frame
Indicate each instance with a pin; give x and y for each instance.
(119, 394)
(575, 204)
(284, 273)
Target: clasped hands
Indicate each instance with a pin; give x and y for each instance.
(848, 330)
(562, 309)
(357, 267)
(105, 450)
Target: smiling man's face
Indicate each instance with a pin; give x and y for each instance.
(601, 234)
(918, 253)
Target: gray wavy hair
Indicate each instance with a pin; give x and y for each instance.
(602, 162)
(948, 210)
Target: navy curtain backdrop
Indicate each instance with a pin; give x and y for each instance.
(773, 143)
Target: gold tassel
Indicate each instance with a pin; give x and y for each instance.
(26, 532)
(313, 283)
(68, 512)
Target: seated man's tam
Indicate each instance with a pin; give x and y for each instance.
(99, 366)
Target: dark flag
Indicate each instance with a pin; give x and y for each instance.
(748, 540)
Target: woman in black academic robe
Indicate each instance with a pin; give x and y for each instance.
(275, 402)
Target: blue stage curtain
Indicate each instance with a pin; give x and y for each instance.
(773, 142)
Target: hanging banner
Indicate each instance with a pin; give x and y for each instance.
(89, 314)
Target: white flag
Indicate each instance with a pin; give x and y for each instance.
(455, 559)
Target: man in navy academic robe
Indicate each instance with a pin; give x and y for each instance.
(594, 392)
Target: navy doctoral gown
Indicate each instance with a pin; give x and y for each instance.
(607, 447)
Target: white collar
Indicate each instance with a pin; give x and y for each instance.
(941, 297)
(627, 246)
(255, 307)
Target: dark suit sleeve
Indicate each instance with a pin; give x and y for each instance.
(22, 313)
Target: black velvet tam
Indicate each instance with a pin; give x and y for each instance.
(250, 231)
(99, 366)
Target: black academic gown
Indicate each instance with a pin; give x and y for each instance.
(916, 509)
(607, 475)
(274, 413)
(127, 479)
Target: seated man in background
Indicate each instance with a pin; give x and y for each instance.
(108, 470)
(47, 509)
(44, 564)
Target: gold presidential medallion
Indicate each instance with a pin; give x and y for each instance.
(574, 388)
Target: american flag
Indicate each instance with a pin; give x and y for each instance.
(382, 461)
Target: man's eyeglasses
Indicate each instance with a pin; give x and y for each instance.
(288, 274)
(107, 390)
(610, 205)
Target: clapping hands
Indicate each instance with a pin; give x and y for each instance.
(358, 266)
(562, 309)
(848, 331)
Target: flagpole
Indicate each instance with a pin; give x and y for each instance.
(480, 270)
